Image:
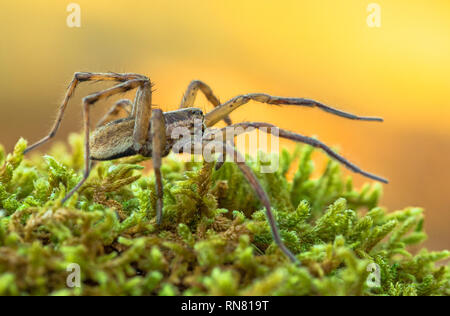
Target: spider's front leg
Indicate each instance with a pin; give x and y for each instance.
(226, 108)
(240, 128)
(225, 149)
(210, 146)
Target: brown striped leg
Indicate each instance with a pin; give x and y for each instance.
(270, 128)
(226, 108)
(158, 134)
(142, 112)
(262, 195)
(77, 78)
(223, 147)
(89, 101)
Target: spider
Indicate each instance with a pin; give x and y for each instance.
(146, 131)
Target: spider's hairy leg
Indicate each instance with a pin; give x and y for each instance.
(262, 195)
(224, 148)
(270, 128)
(158, 137)
(89, 101)
(191, 93)
(125, 105)
(78, 78)
(142, 112)
(226, 108)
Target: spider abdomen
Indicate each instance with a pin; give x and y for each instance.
(113, 140)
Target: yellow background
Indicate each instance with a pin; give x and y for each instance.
(317, 49)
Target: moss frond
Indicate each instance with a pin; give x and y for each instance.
(214, 239)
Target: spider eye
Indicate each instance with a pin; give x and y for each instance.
(197, 112)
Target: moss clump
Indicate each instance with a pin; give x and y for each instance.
(214, 238)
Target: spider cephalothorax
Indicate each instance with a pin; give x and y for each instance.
(153, 133)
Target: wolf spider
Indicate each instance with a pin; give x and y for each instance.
(146, 131)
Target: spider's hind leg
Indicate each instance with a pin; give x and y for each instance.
(87, 103)
(78, 78)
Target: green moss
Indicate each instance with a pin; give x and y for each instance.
(214, 239)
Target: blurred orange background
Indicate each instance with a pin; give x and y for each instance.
(321, 49)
